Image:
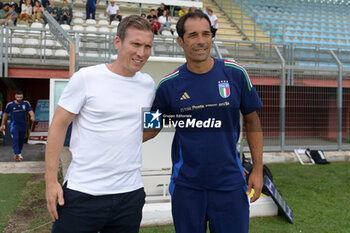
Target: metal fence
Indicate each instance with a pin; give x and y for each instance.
(305, 90)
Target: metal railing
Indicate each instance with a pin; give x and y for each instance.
(305, 90)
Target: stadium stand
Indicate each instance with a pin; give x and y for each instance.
(246, 30)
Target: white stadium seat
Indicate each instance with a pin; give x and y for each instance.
(66, 27)
(104, 29)
(61, 53)
(92, 54)
(30, 52)
(91, 21)
(50, 43)
(91, 29)
(166, 33)
(103, 22)
(17, 41)
(32, 41)
(78, 21)
(115, 23)
(14, 51)
(114, 30)
(79, 14)
(101, 16)
(78, 28)
(47, 52)
(37, 25)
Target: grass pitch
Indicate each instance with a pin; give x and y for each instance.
(318, 195)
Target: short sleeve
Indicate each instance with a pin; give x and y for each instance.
(8, 109)
(29, 107)
(250, 100)
(161, 100)
(74, 94)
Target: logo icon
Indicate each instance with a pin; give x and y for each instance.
(224, 89)
(185, 96)
(151, 119)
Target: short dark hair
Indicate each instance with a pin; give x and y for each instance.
(180, 26)
(134, 21)
(19, 92)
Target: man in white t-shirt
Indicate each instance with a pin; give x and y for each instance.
(113, 12)
(103, 189)
(214, 22)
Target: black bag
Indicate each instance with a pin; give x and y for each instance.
(248, 167)
(317, 156)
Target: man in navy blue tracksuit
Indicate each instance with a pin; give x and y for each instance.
(18, 110)
(91, 8)
(205, 96)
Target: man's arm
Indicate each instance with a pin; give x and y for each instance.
(4, 117)
(149, 134)
(0, 108)
(32, 115)
(255, 141)
(55, 140)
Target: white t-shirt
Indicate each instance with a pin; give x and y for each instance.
(112, 10)
(213, 18)
(162, 19)
(106, 137)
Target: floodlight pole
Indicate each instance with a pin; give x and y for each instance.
(282, 99)
(339, 98)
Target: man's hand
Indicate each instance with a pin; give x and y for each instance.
(255, 181)
(53, 192)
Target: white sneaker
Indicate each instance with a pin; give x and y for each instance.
(20, 157)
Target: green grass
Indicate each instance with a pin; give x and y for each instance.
(11, 186)
(319, 196)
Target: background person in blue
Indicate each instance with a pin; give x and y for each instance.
(91, 8)
(207, 182)
(18, 110)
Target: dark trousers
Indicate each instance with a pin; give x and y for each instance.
(213, 31)
(111, 18)
(84, 213)
(18, 133)
(90, 9)
(226, 211)
(65, 17)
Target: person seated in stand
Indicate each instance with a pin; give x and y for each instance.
(53, 11)
(27, 11)
(192, 9)
(152, 15)
(183, 11)
(66, 13)
(214, 22)
(113, 12)
(160, 9)
(7, 16)
(205, 11)
(38, 12)
(14, 5)
(156, 26)
(164, 21)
